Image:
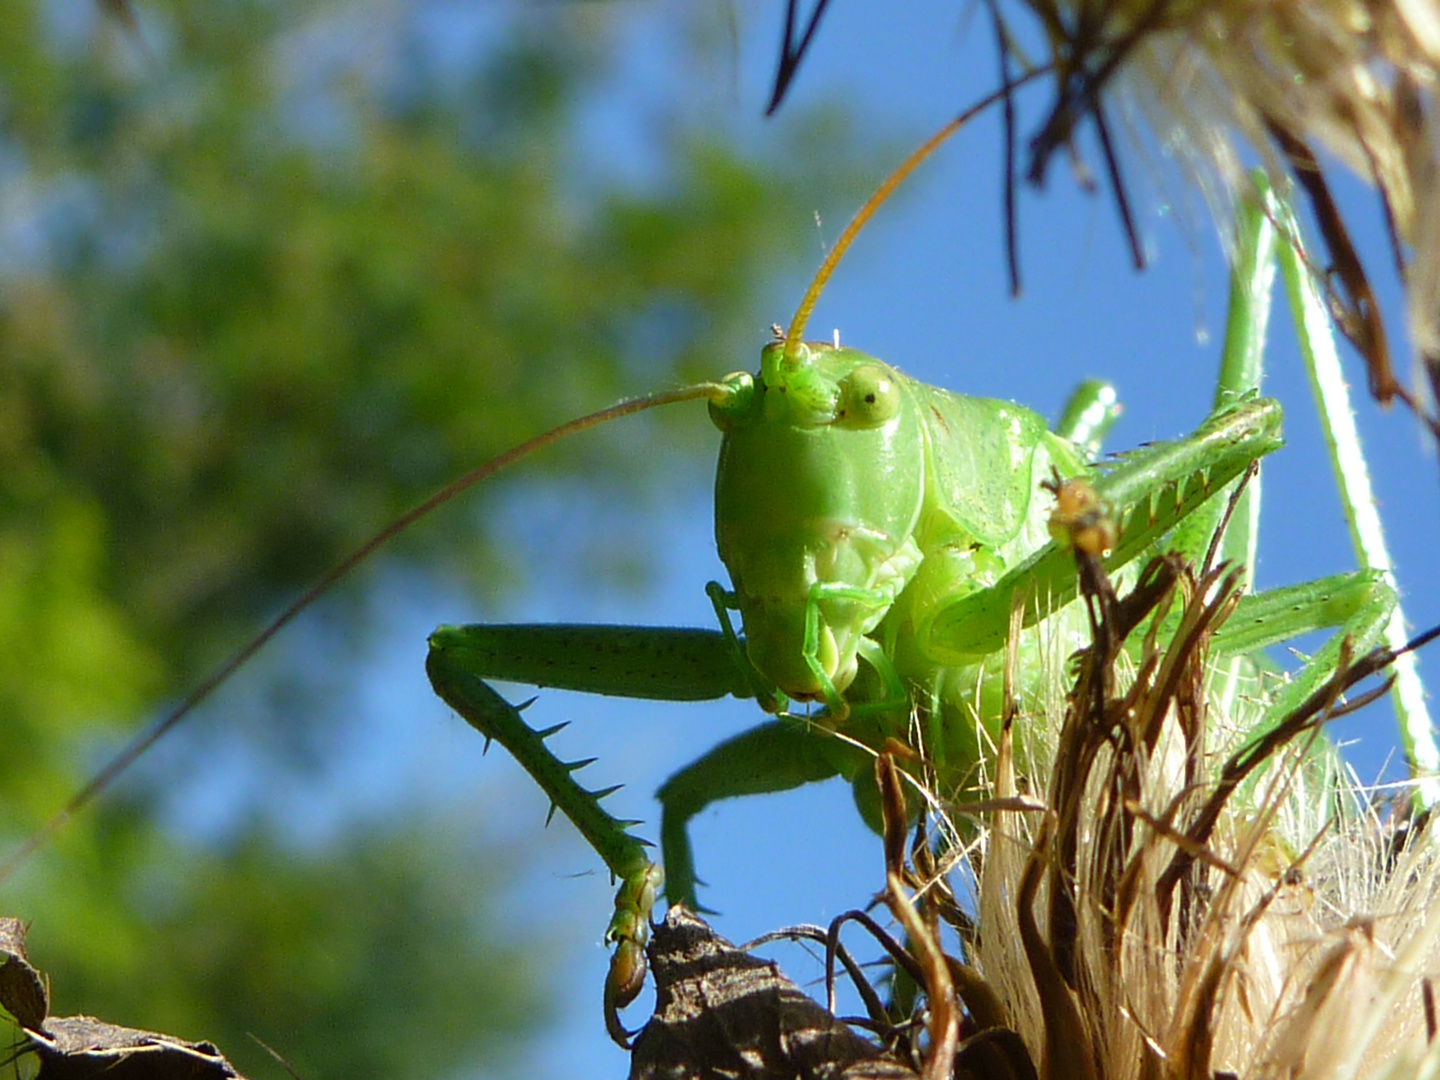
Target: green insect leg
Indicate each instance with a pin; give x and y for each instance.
(773, 757)
(874, 599)
(1151, 491)
(624, 854)
(724, 602)
(1242, 367)
(1359, 604)
(1352, 477)
(653, 663)
(1088, 416)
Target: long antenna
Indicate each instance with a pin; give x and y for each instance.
(217, 678)
(883, 192)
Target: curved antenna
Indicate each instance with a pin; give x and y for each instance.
(883, 192)
(217, 678)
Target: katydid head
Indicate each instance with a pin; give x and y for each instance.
(817, 493)
(819, 488)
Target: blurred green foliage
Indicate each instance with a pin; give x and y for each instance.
(270, 273)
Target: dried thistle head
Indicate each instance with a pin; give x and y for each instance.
(1189, 904)
(1293, 80)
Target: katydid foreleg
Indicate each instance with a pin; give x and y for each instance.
(625, 856)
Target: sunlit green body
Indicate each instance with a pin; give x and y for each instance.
(879, 534)
(867, 510)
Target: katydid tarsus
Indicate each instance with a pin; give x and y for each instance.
(878, 533)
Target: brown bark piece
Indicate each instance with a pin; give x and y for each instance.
(82, 1048)
(720, 1012)
(22, 989)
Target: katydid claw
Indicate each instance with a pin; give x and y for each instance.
(622, 986)
(629, 932)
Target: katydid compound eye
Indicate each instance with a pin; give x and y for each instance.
(868, 396)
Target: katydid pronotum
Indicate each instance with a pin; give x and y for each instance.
(893, 615)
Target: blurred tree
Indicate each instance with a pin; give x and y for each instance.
(270, 273)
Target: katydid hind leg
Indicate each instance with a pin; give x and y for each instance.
(1356, 605)
(1242, 369)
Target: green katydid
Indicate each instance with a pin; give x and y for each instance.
(893, 617)
(878, 533)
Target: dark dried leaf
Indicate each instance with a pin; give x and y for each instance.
(81, 1048)
(22, 990)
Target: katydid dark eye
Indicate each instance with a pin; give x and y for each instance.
(868, 396)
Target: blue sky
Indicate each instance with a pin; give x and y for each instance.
(925, 289)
